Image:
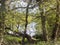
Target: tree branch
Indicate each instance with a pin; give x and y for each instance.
(35, 5)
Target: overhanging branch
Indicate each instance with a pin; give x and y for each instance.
(26, 7)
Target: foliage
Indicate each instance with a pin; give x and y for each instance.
(13, 18)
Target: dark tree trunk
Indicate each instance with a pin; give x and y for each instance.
(3, 10)
(55, 29)
(43, 21)
(26, 22)
(2, 19)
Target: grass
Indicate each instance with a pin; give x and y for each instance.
(15, 40)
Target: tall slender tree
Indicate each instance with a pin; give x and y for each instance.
(3, 10)
(43, 19)
(26, 23)
(55, 29)
(2, 18)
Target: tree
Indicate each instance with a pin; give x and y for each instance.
(56, 25)
(43, 19)
(26, 22)
(2, 19)
(3, 10)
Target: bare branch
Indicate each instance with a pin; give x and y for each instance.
(35, 5)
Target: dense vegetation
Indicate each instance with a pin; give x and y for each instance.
(46, 17)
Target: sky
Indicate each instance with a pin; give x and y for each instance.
(23, 4)
(31, 30)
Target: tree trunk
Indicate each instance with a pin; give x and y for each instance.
(26, 22)
(2, 19)
(3, 10)
(43, 21)
(55, 29)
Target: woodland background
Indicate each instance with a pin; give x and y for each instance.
(15, 18)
